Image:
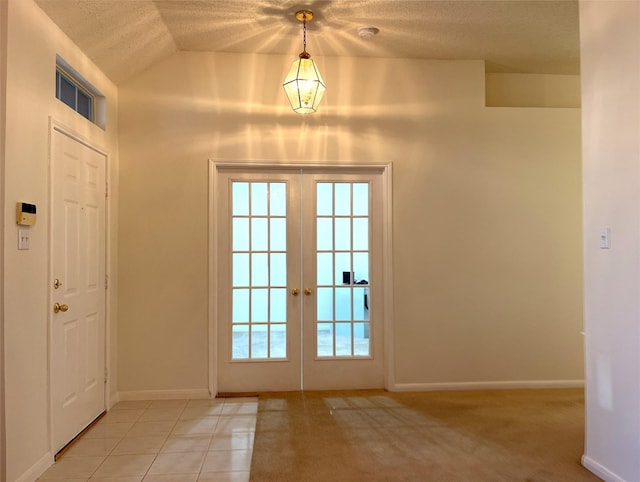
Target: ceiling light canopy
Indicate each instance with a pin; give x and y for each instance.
(304, 85)
(368, 32)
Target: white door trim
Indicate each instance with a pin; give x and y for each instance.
(55, 125)
(385, 168)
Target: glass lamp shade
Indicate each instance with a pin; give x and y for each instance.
(304, 86)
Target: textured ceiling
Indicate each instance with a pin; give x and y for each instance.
(124, 37)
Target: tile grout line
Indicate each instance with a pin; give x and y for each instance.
(124, 436)
(166, 438)
(227, 413)
(210, 440)
(121, 438)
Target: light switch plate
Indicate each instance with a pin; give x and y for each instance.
(23, 239)
(605, 238)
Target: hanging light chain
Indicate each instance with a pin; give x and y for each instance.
(304, 32)
(303, 16)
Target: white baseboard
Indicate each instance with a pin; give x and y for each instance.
(163, 394)
(37, 469)
(506, 385)
(112, 399)
(602, 472)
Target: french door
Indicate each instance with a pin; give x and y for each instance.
(300, 284)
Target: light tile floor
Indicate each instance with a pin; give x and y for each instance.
(164, 440)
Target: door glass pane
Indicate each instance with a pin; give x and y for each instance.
(278, 234)
(278, 269)
(259, 234)
(259, 340)
(240, 307)
(240, 234)
(259, 270)
(360, 304)
(324, 199)
(240, 269)
(278, 305)
(342, 270)
(360, 199)
(343, 199)
(259, 305)
(325, 304)
(324, 339)
(240, 341)
(258, 198)
(278, 340)
(361, 336)
(343, 339)
(240, 199)
(343, 303)
(361, 234)
(325, 234)
(324, 273)
(343, 234)
(277, 199)
(361, 267)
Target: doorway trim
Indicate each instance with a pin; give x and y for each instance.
(55, 125)
(386, 172)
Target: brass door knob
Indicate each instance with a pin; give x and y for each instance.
(295, 291)
(307, 291)
(57, 307)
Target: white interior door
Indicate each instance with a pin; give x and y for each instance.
(259, 269)
(77, 289)
(343, 281)
(297, 253)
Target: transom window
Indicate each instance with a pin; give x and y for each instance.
(74, 95)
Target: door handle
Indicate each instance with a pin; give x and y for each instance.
(307, 291)
(57, 307)
(295, 291)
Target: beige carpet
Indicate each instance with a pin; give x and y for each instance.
(514, 435)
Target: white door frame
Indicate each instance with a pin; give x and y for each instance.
(385, 170)
(55, 125)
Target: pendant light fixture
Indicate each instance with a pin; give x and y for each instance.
(304, 85)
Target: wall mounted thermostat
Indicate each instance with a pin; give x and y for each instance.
(25, 214)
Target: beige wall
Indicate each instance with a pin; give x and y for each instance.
(532, 90)
(3, 112)
(610, 46)
(33, 42)
(487, 211)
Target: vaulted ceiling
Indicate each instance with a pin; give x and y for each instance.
(124, 37)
